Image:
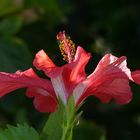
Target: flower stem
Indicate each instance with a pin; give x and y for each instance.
(67, 133)
(68, 120)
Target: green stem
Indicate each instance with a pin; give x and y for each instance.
(68, 119)
(67, 132)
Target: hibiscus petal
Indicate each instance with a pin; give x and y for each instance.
(112, 66)
(110, 80)
(43, 62)
(43, 102)
(136, 76)
(10, 82)
(118, 89)
(78, 66)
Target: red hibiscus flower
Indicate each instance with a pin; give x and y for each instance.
(110, 79)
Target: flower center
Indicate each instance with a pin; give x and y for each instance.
(67, 47)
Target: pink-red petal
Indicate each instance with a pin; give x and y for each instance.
(110, 80)
(43, 62)
(136, 76)
(118, 89)
(43, 102)
(10, 82)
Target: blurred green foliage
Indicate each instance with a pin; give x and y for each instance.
(100, 26)
(21, 132)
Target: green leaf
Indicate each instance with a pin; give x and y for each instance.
(21, 132)
(14, 55)
(60, 124)
(53, 126)
(70, 110)
(10, 25)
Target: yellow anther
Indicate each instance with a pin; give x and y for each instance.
(67, 47)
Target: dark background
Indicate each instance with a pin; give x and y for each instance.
(99, 26)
